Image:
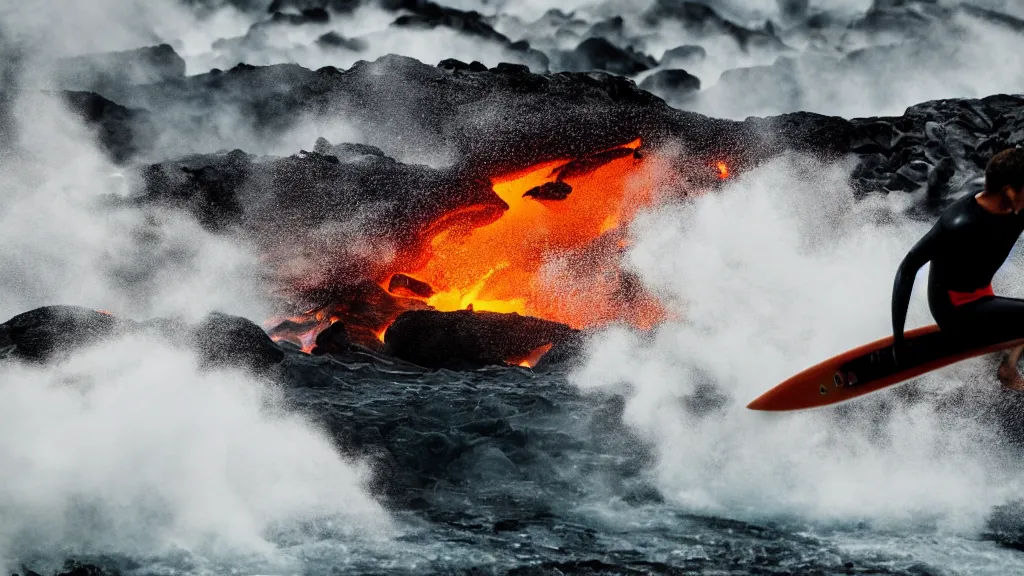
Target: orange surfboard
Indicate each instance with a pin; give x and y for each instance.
(870, 368)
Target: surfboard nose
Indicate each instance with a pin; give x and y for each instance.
(762, 403)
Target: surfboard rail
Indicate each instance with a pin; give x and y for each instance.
(869, 368)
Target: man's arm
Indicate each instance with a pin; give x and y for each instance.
(919, 255)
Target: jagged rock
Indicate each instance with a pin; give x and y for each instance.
(335, 40)
(339, 6)
(333, 340)
(557, 190)
(591, 162)
(452, 64)
(683, 55)
(122, 132)
(225, 340)
(401, 283)
(612, 29)
(53, 332)
(600, 54)
(556, 116)
(509, 68)
(703, 19)
(1006, 525)
(674, 83)
(939, 178)
(95, 72)
(466, 339)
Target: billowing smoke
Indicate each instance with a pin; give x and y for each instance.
(779, 271)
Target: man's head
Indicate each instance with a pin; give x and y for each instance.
(1004, 175)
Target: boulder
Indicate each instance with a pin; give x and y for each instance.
(467, 339)
(51, 333)
(671, 83)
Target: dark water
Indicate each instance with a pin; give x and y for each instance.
(511, 471)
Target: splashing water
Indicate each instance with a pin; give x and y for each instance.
(779, 271)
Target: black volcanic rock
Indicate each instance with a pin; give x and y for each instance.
(702, 19)
(302, 6)
(557, 190)
(556, 115)
(600, 54)
(94, 72)
(285, 204)
(431, 15)
(467, 339)
(120, 130)
(335, 40)
(333, 340)
(53, 332)
(671, 83)
(563, 115)
(683, 55)
(225, 340)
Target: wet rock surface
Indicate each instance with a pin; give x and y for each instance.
(935, 146)
(54, 333)
(466, 339)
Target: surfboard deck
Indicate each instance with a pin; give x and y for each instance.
(871, 367)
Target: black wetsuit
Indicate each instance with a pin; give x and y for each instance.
(966, 247)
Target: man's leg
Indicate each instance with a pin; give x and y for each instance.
(995, 319)
(1008, 373)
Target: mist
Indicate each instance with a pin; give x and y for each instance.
(775, 273)
(129, 448)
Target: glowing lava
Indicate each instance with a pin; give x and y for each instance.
(531, 359)
(723, 170)
(556, 259)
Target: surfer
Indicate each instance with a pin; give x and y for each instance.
(967, 245)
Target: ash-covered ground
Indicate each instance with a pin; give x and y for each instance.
(181, 178)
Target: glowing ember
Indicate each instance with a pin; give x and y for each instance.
(723, 170)
(531, 359)
(552, 259)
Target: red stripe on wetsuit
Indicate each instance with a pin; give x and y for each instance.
(961, 298)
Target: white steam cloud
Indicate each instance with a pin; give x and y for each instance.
(777, 272)
(129, 448)
(64, 244)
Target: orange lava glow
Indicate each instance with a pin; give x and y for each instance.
(302, 330)
(723, 170)
(548, 258)
(531, 359)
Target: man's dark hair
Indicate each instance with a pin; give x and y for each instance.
(1005, 169)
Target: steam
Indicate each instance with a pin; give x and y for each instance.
(129, 448)
(775, 273)
(67, 240)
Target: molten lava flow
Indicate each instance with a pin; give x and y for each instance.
(531, 359)
(554, 253)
